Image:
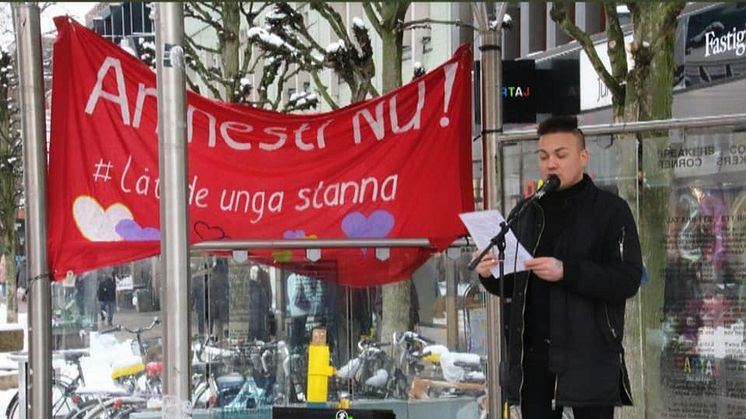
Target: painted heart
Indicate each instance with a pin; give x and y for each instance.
(96, 223)
(377, 225)
(131, 231)
(293, 234)
(207, 232)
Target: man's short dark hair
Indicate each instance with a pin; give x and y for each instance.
(562, 123)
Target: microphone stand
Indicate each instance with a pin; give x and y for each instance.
(499, 242)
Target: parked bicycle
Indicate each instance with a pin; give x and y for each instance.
(139, 381)
(65, 400)
(242, 376)
(373, 373)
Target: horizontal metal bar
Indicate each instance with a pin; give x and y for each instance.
(627, 127)
(317, 244)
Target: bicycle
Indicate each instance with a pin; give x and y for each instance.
(373, 373)
(65, 400)
(140, 382)
(250, 380)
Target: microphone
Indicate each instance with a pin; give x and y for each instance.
(550, 185)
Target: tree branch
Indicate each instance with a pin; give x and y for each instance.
(373, 17)
(559, 14)
(201, 15)
(323, 90)
(671, 11)
(423, 23)
(203, 72)
(616, 48)
(195, 45)
(332, 17)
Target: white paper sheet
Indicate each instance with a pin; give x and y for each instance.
(483, 226)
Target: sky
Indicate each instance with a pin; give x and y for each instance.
(75, 9)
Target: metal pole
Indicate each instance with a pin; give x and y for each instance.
(721, 121)
(174, 208)
(451, 296)
(315, 244)
(28, 41)
(492, 124)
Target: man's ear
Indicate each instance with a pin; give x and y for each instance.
(585, 157)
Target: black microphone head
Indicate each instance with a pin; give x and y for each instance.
(552, 183)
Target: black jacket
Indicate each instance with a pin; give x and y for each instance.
(107, 289)
(600, 251)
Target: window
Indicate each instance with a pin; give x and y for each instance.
(427, 44)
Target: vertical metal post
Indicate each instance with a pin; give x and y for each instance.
(28, 41)
(174, 208)
(492, 124)
(452, 324)
(280, 302)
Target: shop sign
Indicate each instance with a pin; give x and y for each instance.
(715, 45)
(593, 91)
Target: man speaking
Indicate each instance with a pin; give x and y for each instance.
(566, 320)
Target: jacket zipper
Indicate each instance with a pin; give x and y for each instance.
(608, 321)
(621, 244)
(624, 383)
(554, 399)
(621, 355)
(523, 309)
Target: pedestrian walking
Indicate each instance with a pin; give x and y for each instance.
(107, 296)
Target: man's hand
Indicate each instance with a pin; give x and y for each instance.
(546, 268)
(488, 262)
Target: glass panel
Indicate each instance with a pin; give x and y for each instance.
(241, 364)
(106, 338)
(694, 317)
(252, 330)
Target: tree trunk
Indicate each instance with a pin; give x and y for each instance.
(9, 185)
(396, 297)
(11, 315)
(648, 96)
(229, 49)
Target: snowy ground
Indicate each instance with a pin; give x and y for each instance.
(5, 362)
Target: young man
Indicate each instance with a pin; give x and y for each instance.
(566, 319)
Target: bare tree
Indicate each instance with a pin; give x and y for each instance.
(11, 175)
(287, 38)
(238, 58)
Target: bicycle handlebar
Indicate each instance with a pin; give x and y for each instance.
(156, 321)
(409, 336)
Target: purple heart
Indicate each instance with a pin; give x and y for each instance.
(293, 234)
(377, 225)
(131, 231)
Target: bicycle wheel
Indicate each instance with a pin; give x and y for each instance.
(12, 411)
(82, 409)
(62, 400)
(62, 403)
(116, 408)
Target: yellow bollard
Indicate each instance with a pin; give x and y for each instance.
(319, 369)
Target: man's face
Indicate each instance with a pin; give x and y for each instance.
(561, 154)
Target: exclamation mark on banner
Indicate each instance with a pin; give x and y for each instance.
(450, 70)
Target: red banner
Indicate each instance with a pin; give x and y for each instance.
(397, 166)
